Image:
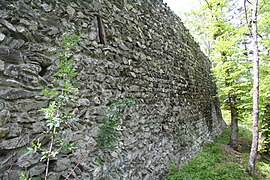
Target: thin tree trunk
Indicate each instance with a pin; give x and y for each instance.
(234, 122)
(49, 154)
(254, 146)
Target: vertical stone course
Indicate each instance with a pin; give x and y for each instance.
(148, 54)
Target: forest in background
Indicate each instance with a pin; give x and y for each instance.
(226, 31)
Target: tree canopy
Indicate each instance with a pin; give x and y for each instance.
(224, 31)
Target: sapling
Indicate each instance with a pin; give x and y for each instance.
(61, 96)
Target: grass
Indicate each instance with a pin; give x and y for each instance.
(214, 162)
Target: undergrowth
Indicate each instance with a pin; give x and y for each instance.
(214, 162)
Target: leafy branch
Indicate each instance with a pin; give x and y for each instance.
(56, 114)
(108, 133)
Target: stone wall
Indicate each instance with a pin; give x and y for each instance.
(131, 48)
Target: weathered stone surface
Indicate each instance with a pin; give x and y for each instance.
(2, 65)
(24, 118)
(4, 117)
(70, 10)
(43, 60)
(97, 101)
(83, 102)
(38, 127)
(26, 70)
(3, 132)
(10, 55)
(8, 25)
(14, 143)
(28, 159)
(148, 55)
(12, 94)
(62, 164)
(37, 169)
(25, 105)
(2, 37)
(14, 130)
(14, 174)
(46, 7)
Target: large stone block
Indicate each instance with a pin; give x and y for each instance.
(10, 55)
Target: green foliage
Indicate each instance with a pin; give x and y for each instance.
(35, 146)
(214, 162)
(24, 176)
(173, 168)
(226, 116)
(222, 38)
(221, 30)
(69, 42)
(61, 96)
(108, 133)
(186, 136)
(99, 160)
(265, 131)
(67, 145)
(264, 168)
(264, 31)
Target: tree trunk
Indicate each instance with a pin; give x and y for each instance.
(254, 146)
(234, 122)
